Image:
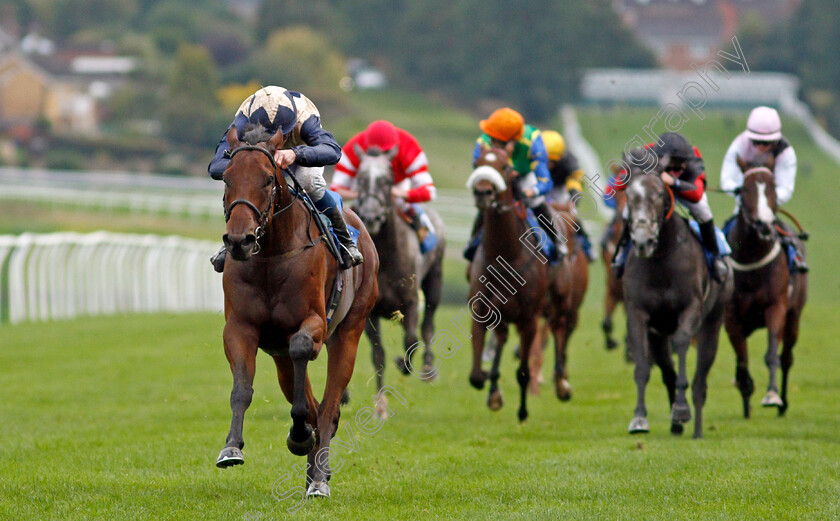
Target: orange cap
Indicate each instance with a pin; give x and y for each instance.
(504, 124)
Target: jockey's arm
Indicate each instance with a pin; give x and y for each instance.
(344, 192)
(321, 148)
(417, 171)
(731, 177)
(785, 175)
(574, 181)
(221, 158)
(539, 165)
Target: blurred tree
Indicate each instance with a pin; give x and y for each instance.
(191, 109)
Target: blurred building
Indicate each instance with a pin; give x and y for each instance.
(682, 32)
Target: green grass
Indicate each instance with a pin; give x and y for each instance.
(122, 418)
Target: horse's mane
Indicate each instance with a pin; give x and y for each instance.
(255, 133)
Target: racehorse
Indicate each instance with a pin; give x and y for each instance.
(508, 282)
(406, 270)
(567, 287)
(766, 295)
(614, 293)
(276, 279)
(670, 299)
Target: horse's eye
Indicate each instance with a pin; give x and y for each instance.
(269, 181)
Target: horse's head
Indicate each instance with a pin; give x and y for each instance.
(758, 201)
(650, 203)
(374, 180)
(491, 178)
(252, 188)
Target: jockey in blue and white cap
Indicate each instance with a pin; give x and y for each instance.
(306, 150)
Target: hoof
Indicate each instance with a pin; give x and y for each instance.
(772, 399)
(229, 457)
(611, 344)
(318, 489)
(477, 379)
(680, 413)
(429, 373)
(401, 367)
(639, 425)
(382, 407)
(563, 389)
(523, 414)
(495, 401)
(301, 448)
(677, 429)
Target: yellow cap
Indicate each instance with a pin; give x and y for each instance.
(555, 145)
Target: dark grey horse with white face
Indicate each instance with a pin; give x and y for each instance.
(403, 270)
(670, 299)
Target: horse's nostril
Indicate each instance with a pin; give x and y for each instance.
(249, 241)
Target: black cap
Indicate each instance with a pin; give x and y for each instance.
(673, 144)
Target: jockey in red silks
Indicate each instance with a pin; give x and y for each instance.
(412, 182)
(686, 176)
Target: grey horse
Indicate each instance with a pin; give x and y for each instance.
(404, 270)
(670, 300)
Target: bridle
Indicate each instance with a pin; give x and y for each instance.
(264, 216)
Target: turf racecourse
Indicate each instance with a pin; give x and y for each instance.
(122, 418)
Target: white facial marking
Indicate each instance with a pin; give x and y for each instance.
(490, 157)
(765, 214)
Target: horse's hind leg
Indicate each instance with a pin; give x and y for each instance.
(562, 388)
(661, 352)
(527, 332)
(432, 289)
(607, 324)
(286, 379)
(241, 352)
(707, 345)
(376, 350)
(409, 324)
(494, 397)
(738, 339)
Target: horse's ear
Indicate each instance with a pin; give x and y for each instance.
(391, 154)
(357, 149)
(509, 147)
(233, 137)
(771, 163)
(277, 140)
(741, 163)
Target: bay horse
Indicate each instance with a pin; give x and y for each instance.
(509, 282)
(670, 298)
(567, 288)
(406, 270)
(276, 280)
(766, 295)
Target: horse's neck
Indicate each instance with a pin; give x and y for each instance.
(283, 232)
(671, 233)
(389, 237)
(502, 231)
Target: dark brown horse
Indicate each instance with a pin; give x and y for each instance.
(277, 277)
(405, 270)
(766, 295)
(614, 293)
(670, 299)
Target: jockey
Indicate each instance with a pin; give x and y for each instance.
(685, 174)
(306, 150)
(566, 176)
(763, 136)
(506, 129)
(412, 181)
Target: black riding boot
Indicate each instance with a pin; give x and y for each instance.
(218, 260)
(707, 234)
(620, 254)
(350, 255)
(546, 224)
(472, 243)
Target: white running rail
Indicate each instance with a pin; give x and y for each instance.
(67, 275)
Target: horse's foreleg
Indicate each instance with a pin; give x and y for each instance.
(538, 357)
(432, 290)
(494, 397)
(241, 351)
(738, 339)
(607, 324)
(637, 342)
(790, 336)
(707, 344)
(774, 317)
(562, 388)
(527, 332)
(688, 325)
(376, 350)
(477, 375)
(302, 349)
